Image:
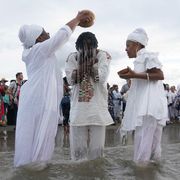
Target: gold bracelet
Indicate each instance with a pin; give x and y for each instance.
(147, 74)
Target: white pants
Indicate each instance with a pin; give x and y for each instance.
(87, 142)
(147, 141)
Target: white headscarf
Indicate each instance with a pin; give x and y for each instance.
(28, 34)
(138, 35)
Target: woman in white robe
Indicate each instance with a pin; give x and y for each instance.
(146, 110)
(40, 96)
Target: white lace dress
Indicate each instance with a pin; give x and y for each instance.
(145, 98)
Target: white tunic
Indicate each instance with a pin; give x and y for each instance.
(145, 97)
(94, 112)
(40, 97)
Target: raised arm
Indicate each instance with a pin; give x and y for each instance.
(62, 36)
(75, 22)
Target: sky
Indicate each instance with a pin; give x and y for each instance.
(115, 19)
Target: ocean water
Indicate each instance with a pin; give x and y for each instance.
(116, 164)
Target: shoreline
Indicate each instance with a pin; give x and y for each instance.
(12, 127)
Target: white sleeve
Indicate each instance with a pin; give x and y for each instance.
(70, 66)
(152, 61)
(52, 44)
(102, 67)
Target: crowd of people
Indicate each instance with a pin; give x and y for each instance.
(173, 99)
(9, 98)
(117, 101)
(9, 95)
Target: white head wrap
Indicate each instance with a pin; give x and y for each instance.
(138, 35)
(28, 34)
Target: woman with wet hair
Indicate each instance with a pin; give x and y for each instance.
(87, 71)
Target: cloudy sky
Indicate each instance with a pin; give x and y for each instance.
(115, 19)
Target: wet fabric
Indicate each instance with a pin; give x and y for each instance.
(147, 141)
(40, 96)
(87, 142)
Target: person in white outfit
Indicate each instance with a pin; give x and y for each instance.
(146, 110)
(172, 110)
(117, 103)
(87, 71)
(38, 112)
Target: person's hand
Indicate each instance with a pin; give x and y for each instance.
(123, 71)
(128, 74)
(83, 16)
(86, 18)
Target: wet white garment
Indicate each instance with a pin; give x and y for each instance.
(40, 97)
(145, 98)
(87, 142)
(96, 111)
(147, 141)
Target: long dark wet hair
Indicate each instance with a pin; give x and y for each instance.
(84, 38)
(86, 46)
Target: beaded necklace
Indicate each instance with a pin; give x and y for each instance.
(86, 89)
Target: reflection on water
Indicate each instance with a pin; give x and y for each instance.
(116, 164)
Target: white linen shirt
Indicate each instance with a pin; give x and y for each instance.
(96, 111)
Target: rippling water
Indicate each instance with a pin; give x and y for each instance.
(116, 164)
